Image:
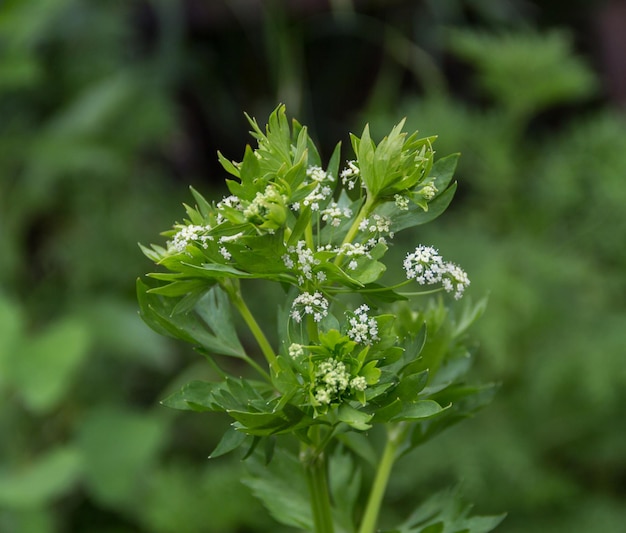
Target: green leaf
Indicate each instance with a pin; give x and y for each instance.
(44, 368)
(419, 410)
(119, 448)
(353, 417)
(415, 215)
(282, 488)
(39, 482)
(445, 512)
(209, 325)
(230, 441)
(410, 386)
(196, 396)
(443, 171)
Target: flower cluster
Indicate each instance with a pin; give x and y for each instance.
(187, 235)
(306, 303)
(427, 267)
(267, 208)
(332, 379)
(296, 351)
(350, 174)
(321, 191)
(333, 214)
(377, 224)
(301, 259)
(363, 328)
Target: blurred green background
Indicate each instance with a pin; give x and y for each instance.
(109, 110)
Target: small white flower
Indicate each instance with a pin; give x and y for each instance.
(427, 267)
(225, 253)
(363, 328)
(318, 174)
(402, 202)
(455, 280)
(296, 350)
(350, 174)
(309, 304)
(358, 383)
(428, 191)
(333, 214)
(424, 265)
(187, 235)
(301, 259)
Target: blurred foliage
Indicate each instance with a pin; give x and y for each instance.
(104, 105)
(542, 208)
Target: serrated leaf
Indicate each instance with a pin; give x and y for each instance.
(445, 512)
(196, 396)
(230, 441)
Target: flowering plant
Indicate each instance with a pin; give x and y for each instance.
(363, 371)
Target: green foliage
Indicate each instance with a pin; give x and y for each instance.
(291, 222)
(541, 64)
(543, 233)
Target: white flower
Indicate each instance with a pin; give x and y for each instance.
(187, 235)
(427, 267)
(301, 258)
(231, 202)
(350, 174)
(402, 202)
(428, 191)
(331, 379)
(296, 350)
(363, 328)
(309, 304)
(358, 383)
(333, 214)
(318, 174)
(424, 265)
(225, 253)
(455, 280)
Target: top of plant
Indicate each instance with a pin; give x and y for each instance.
(353, 351)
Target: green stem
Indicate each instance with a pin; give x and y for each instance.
(315, 468)
(395, 435)
(363, 213)
(239, 303)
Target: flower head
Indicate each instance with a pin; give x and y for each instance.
(424, 265)
(187, 235)
(363, 328)
(309, 304)
(427, 267)
(455, 280)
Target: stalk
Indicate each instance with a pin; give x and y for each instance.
(375, 499)
(315, 468)
(255, 329)
(363, 213)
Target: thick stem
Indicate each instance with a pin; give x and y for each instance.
(315, 468)
(370, 517)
